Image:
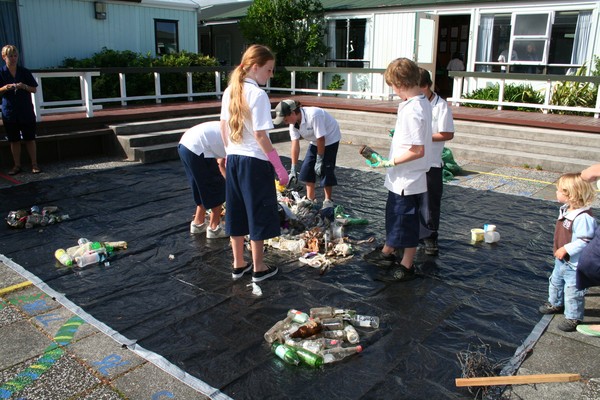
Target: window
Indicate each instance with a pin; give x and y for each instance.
(533, 43)
(166, 37)
(348, 42)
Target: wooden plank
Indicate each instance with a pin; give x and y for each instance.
(517, 379)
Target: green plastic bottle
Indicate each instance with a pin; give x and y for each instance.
(286, 353)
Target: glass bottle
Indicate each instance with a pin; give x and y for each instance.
(286, 353)
(275, 332)
(364, 321)
(309, 358)
(298, 316)
(332, 324)
(329, 312)
(351, 334)
(339, 353)
(337, 334)
(307, 330)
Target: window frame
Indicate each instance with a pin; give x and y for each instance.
(528, 38)
(175, 24)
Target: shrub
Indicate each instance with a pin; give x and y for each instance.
(576, 94)
(142, 84)
(512, 93)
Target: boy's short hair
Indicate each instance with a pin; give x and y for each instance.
(402, 72)
(425, 80)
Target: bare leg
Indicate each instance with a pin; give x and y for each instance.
(200, 215)
(258, 252)
(215, 217)
(387, 249)
(15, 149)
(327, 190)
(408, 257)
(310, 190)
(32, 150)
(237, 245)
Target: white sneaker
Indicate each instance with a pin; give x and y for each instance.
(195, 228)
(218, 233)
(327, 203)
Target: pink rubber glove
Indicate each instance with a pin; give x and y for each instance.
(279, 169)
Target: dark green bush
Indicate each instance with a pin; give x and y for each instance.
(512, 93)
(137, 84)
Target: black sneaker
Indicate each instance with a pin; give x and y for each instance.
(431, 247)
(237, 273)
(568, 325)
(379, 258)
(398, 273)
(262, 275)
(548, 308)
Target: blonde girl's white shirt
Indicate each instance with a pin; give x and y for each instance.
(260, 108)
(413, 127)
(442, 121)
(204, 139)
(316, 123)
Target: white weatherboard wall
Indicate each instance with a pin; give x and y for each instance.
(52, 30)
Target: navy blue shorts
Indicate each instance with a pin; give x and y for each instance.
(307, 172)
(402, 220)
(252, 207)
(206, 181)
(17, 131)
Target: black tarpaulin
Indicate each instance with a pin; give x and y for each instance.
(187, 308)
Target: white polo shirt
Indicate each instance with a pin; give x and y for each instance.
(204, 139)
(316, 123)
(260, 108)
(413, 127)
(442, 122)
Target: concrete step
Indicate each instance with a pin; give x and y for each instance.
(584, 152)
(521, 132)
(133, 128)
(162, 146)
(137, 141)
(518, 158)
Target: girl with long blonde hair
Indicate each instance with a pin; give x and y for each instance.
(251, 162)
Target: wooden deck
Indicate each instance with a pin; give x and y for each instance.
(58, 123)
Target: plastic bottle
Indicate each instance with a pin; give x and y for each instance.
(118, 245)
(309, 358)
(298, 316)
(89, 258)
(364, 321)
(62, 257)
(307, 330)
(276, 330)
(330, 312)
(351, 334)
(339, 353)
(82, 241)
(332, 324)
(286, 353)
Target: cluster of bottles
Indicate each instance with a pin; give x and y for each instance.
(87, 253)
(34, 217)
(320, 337)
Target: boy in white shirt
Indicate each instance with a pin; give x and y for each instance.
(406, 178)
(443, 130)
(322, 131)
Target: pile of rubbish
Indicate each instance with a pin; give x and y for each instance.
(88, 253)
(325, 335)
(34, 217)
(317, 233)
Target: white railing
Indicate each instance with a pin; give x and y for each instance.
(360, 83)
(467, 82)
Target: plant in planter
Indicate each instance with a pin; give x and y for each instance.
(337, 83)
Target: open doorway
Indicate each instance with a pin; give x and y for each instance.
(453, 38)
